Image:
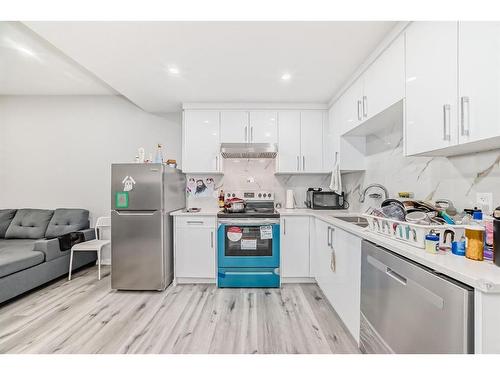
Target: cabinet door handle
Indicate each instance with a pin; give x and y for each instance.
(359, 110)
(464, 101)
(328, 237)
(212, 239)
(298, 162)
(284, 226)
(195, 222)
(251, 134)
(446, 111)
(365, 106)
(246, 133)
(303, 163)
(331, 237)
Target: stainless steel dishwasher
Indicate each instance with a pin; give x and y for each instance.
(408, 308)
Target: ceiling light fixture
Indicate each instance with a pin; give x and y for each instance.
(286, 76)
(173, 70)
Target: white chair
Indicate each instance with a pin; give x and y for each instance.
(93, 245)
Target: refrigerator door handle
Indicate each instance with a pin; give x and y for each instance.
(135, 213)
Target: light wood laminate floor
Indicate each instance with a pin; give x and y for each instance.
(85, 315)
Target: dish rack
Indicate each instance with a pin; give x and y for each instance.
(413, 234)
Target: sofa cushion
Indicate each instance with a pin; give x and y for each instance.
(29, 223)
(6, 217)
(67, 220)
(15, 259)
(20, 244)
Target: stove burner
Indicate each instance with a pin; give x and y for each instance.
(256, 207)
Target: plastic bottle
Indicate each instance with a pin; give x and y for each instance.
(475, 243)
(431, 243)
(221, 199)
(159, 154)
(496, 236)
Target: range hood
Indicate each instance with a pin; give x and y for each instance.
(248, 150)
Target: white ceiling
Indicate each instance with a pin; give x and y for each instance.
(31, 66)
(217, 61)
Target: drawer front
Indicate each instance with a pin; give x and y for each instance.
(195, 221)
(248, 278)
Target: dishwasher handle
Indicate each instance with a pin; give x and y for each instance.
(396, 276)
(387, 270)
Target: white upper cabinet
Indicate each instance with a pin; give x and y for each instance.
(289, 141)
(384, 80)
(311, 145)
(378, 88)
(330, 146)
(431, 86)
(351, 103)
(301, 143)
(234, 127)
(240, 126)
(263, 127)
(479, 80)
(349, 150)
(201, 142)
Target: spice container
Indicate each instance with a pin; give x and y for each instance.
(475, 243)
(431, 243)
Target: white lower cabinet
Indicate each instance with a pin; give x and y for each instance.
(195, 247)
(295, 246)
(336, 264)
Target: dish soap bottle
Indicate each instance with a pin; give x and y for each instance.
(159, 154)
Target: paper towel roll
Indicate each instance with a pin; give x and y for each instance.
(289, 199)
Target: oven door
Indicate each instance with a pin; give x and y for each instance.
(248, 245)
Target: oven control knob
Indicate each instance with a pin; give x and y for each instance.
(234, 195)
(260, 195)
(228, 194)
(269, 195)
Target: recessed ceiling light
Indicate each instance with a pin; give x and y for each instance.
(286, 76)
(173, 70)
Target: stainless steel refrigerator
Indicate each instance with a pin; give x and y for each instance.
(142, 198)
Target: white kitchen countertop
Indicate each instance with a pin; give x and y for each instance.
(203, 212)
(483, 276)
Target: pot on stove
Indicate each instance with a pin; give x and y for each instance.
(235, 205)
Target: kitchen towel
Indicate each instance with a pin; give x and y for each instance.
(336, 180)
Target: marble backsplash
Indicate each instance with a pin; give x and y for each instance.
(258, 174)
(457, 178)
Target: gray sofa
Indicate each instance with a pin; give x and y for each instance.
(30, 252)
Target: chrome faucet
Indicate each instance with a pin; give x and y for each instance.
(381, 187)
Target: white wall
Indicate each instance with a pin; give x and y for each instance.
(56, 151)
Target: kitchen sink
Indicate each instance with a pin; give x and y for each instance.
(356, 220)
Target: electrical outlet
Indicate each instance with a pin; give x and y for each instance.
(485, 201)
